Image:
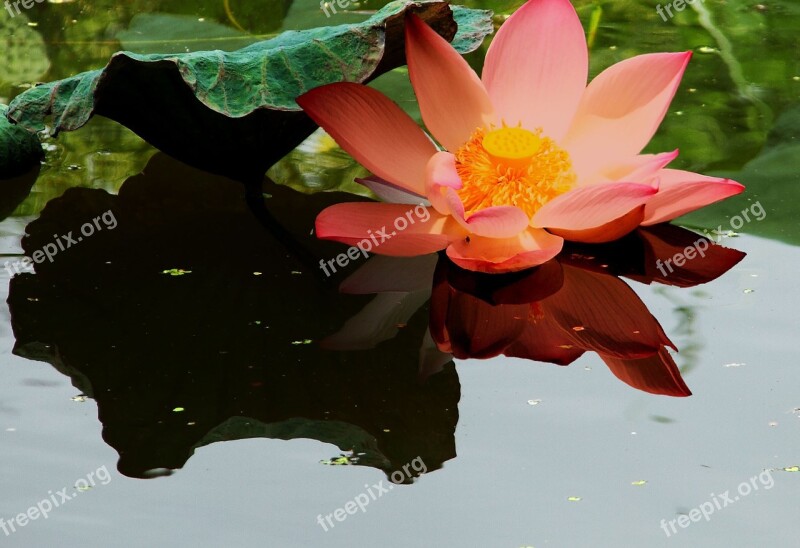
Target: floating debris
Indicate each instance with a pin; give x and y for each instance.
(773, 423)
(80, 398)
(639, 482)
(534, 402)
(574, 499)
(734, 364)
(748, 291)
(342, 460)
(791, 469)
(178, 410)
(176, 272)
(304, 341)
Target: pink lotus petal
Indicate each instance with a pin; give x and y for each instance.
(498, 222)
(452, 99)
(492, 222)
(390, 193)
(613, 230)
(640, 168)
(372, 225)
(592, 206)
(621, 110)
(656, 374)
(529, 248)
(455, 206)
(536, 67)
(374, 130)
(683, 191)
(441, 174)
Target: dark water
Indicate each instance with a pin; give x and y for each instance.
(194, 341)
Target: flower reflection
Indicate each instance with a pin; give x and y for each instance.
(553, 313)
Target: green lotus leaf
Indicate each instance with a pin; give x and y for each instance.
(234, 113)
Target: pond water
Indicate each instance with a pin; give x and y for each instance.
(186, 376)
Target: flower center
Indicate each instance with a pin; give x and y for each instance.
(512, 145)
(512, 166)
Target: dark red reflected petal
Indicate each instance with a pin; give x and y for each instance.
(702, 259)
(601, 313)
(559, 311)
(467, 326)
(656, 374)
(544, 341)
(524, 287)
(479, 330)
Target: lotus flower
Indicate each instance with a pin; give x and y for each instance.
(524, 157)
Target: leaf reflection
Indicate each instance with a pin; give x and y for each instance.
(218, 341)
